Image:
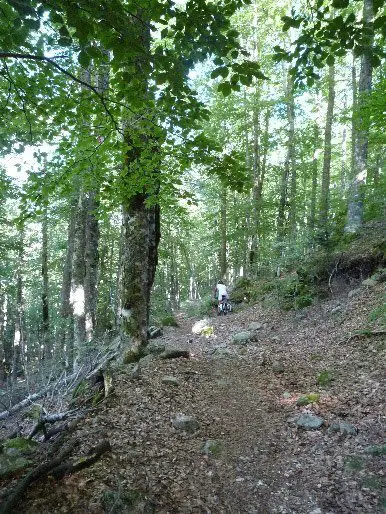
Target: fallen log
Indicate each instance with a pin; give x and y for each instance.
(33, 475)
(56, 468)
(67, 468)
(49, 419)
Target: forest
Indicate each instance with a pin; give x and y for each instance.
(150, 148)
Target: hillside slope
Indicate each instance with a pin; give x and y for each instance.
(244, 398)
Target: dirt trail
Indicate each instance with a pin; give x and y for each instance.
(244, 398)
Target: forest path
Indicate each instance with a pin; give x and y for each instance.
(246, 401)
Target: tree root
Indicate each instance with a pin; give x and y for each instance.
(56, 468)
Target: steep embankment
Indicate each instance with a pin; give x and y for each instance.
(244, 398)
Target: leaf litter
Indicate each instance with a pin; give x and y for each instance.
(244, 399)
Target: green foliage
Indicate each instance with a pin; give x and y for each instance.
(21, 444)
(377, 450)
(378, 314)
(199, 308)
(294, 292)
(169, 321)
(325, 378)
(354, 463)
(121, 501)
(308, 399)
(326, 35)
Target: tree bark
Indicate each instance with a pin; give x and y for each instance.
(46, 350)
(66, 331)
(314, 183)
(290, 160)
(355, 206)
(259, 176)
(91, 262)
(19, 341)
(256, 181)
(287, 168)
(2, 336)
(77, 297)
(325, 192)
(223, 264)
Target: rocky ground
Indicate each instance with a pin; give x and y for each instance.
(286, 417)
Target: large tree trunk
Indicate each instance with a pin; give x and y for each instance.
(140, 210)
(325, 192)
(141, 234)
(355, 206)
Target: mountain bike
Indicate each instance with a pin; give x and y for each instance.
(224, 306)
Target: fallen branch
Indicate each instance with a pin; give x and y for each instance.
(33, 475)
(72, 467)
(52, 418)
(57, 469)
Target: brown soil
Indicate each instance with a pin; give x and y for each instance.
(265, 463)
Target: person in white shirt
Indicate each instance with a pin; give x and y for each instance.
(221, 291)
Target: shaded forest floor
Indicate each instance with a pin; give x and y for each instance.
(244, 397)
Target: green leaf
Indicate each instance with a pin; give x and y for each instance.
(330, 60)
(32, 24)
(350, 18)
(84, 59)
(225, 88)
(375, 60)
(340, 4)
(380, 22)
(223, 71)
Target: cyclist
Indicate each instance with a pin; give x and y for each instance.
(221, 293)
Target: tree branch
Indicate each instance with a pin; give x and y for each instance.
(51, 61)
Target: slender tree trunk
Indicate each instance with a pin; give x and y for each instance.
(256, 182)
(2, 336)
(290, 160)
(260, 168)
(343, 166)
(314, 182)
(19, 340)
(287, 168)
(223, 232)
(354, 114)
(174, 288)
(355, 206)
(77, 297)
(46, 349)
(66, 330)
(325, 192)
(91, 262)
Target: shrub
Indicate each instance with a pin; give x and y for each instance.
(325, 378)
(169, 321)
